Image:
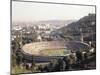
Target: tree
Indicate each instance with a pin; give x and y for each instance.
(67, 62)
(19, 57)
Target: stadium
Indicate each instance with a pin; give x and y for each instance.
(47, 50)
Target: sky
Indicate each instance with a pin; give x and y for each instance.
(30, 11)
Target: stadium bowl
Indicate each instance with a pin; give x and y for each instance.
(53, 48)
(47, 50)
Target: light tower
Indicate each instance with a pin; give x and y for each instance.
(82, 40)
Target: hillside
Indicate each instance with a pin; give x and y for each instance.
(85, 26)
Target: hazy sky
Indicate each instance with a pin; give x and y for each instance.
(26, 11)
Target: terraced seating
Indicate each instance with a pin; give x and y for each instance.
(50, 48)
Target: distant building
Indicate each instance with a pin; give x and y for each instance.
(43, 31)
(39, 38)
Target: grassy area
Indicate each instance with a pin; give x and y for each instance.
(54, 52)
(18, 70)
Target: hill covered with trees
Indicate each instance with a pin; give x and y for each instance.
(86, 26)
